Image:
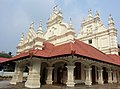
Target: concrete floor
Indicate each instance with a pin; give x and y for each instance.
(5, 85)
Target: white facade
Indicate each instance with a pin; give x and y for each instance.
(57, 32)
(92, 32)
(66, 69)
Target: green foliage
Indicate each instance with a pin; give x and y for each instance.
(5, 55)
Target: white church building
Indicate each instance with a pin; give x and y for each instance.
(60, 56)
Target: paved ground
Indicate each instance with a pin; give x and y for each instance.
(6, 85)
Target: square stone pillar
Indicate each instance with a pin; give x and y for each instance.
(88, 80)
(114, 77)
(49, 77)
(33, 79)
(18, 76)
(100, 76)
(110, 76)
(70, 76)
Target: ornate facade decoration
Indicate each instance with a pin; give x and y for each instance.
(92, 32)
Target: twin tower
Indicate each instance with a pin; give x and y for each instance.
(93, 32)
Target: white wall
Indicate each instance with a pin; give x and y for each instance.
(10, 74)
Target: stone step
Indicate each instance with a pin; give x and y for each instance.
(52, 87)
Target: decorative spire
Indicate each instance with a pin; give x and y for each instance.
(60, 13)
(40, 28)
(111, 19)
(110, 22)
(70, 23)
(40, 23)
(55, 17)
(90, 14)
(97, 14)
(55, 8)
(22, 37)
(83, 19)
(31, 25)
(59, 9)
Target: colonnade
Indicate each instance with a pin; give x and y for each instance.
(33, 79)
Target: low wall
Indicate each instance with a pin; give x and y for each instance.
(10, 74)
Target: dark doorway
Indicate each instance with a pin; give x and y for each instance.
(43, 76)
(93, 75)
(59, 75)
(105, 75)
(77, 71)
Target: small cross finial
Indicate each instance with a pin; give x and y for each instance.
(55, 7)
(70, 20)
(70, 23)
(110, 17)
(22, 34)
(22, 37)
(110, 22)
(97, 13)
(90, 13)
(40, 23)
(31, 25)
(40, 27)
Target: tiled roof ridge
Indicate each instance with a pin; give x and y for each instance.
(114, 59)
(77, 43)
(51, 51)
(90, 46)
(72, 47)
(109, 58)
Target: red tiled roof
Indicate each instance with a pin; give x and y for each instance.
(115, 57)
(91, 52)
(3, 59)
(20, 56)
(78, 47)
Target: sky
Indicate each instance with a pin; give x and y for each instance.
(17, 15)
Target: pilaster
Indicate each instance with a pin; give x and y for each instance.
(18, 76)
(110, 76)
(88, 80)
(33, 79)
(49, 77)
(100, 76)
(114, 77)
(70, 77)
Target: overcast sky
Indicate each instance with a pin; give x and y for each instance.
(16, 16)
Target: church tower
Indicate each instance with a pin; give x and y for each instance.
(58, 32)
(94, 32)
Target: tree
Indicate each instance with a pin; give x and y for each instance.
(7, 66)
(10, 53)
(5, 55)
